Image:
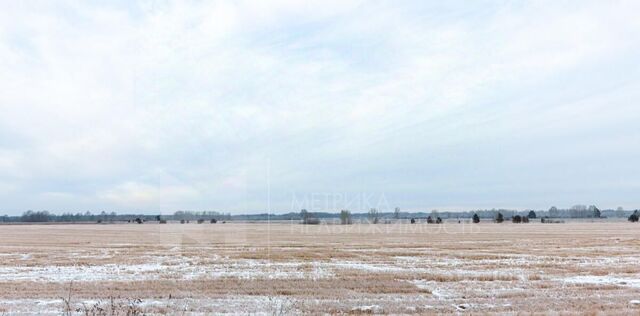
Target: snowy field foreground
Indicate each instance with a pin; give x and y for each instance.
(288, 268)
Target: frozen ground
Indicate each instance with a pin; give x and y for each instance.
(294, 269)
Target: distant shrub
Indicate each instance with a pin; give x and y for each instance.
(429, 220)
(163, 221)
(374, 216)
(345, 217)
(413, 221)
(525, 219)
(311, 221)
(438, 220)
(476, 218)
(499, 218)
(307, 218)
(138, 220)
(517, 219)
(532, 214)
(304, 215)
(182, 221)
(200, 221)
(547, 220)
(213, 221)
(634, 217)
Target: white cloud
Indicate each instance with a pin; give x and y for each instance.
(133, 194)
(175, 105)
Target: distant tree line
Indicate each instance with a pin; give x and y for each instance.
(204, 215)
(104, 217)
(576, 211)
(344, 216)
(46, 216)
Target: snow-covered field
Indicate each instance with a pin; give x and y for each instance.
(287, 268)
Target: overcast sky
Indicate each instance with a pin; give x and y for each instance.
(243, 107)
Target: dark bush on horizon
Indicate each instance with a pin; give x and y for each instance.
(345, 217)
(547, 220)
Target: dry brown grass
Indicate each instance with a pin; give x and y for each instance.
(492, 268)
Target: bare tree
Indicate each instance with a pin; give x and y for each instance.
(345, 217)
(304, 215)
(373, 216)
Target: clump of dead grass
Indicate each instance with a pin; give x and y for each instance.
(482, 277)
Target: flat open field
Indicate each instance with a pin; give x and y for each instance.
(287, 268)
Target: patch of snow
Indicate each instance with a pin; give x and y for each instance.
(432, 287)
(32, 306)
(171, 268)
(81, 273)
(376, 309)
(372, 267)
(606, 280)
(239, 305)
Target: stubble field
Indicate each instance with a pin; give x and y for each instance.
(288, 268)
